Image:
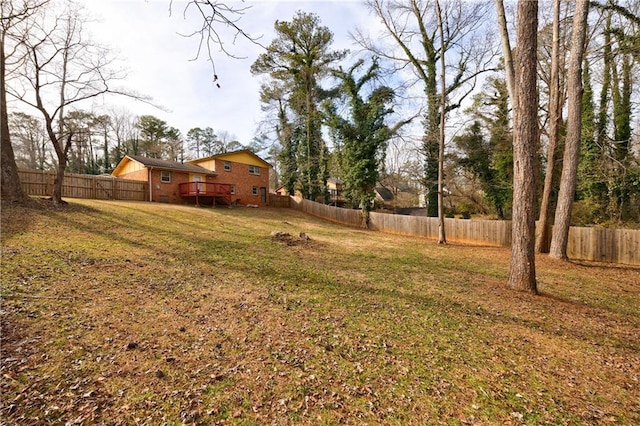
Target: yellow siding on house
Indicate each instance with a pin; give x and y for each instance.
(207, 163)
(239, 157)
(130, 167)
(242, 158)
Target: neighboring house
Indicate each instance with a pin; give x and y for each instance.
(334, 186)
(237, 177)
(281, 190)
(384, 196)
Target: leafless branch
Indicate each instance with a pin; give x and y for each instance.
(215, 17)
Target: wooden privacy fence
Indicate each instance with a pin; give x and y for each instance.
(604, 245)
(334, 214)
(485, 232)
(84, 186)
(276, 200)
(594, 244)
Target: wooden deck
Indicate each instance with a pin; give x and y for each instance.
(206, 190)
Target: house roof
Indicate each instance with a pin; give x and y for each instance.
(384, 193)
(157, 163)
(233, 153)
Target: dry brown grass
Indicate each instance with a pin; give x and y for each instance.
(139, 313)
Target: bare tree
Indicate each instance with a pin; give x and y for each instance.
(399, 160)
(62, 69)
(412, 26)
(122, 124)
(13, 15)
(228, 142)
(522, 274)
(572, 140)
(28, 141)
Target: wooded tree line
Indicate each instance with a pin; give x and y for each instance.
(478, 165)
(304, 93)
(99, 142)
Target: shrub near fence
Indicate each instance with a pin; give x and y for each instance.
(83, 186)
(593, 244)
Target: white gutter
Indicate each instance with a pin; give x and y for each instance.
(150, 185)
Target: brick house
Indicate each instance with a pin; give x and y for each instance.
(236, 177)
(247, 173)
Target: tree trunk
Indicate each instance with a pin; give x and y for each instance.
(522, 275)
(506, 50)
(366, 216)
(61, 153)
(572, 140)
(555, 116)
(56, 197)
(11, 186)
(308, 137)
(442, 238)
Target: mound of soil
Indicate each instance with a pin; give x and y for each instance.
(288, 239)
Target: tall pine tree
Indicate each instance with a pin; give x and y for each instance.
(298, 58)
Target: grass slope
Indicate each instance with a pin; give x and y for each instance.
(139, 313)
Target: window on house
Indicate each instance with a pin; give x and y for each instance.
(233, 189)
(165, 176)
(254, 190)
(254, 170)
(227, 166)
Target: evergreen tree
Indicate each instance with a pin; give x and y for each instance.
(495, 156)
(363, 133)
(479, 159)
(298, 58)
(152, 133)
(591, 186)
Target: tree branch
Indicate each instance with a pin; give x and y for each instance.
(216, 13)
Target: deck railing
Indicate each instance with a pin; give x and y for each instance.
(206, 189)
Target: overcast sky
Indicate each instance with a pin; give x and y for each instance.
(160, 63)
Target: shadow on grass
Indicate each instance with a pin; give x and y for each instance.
(20, 217)
(605, 266)
(546, 311)
(135, 234)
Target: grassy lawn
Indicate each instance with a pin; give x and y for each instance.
(140, 313)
